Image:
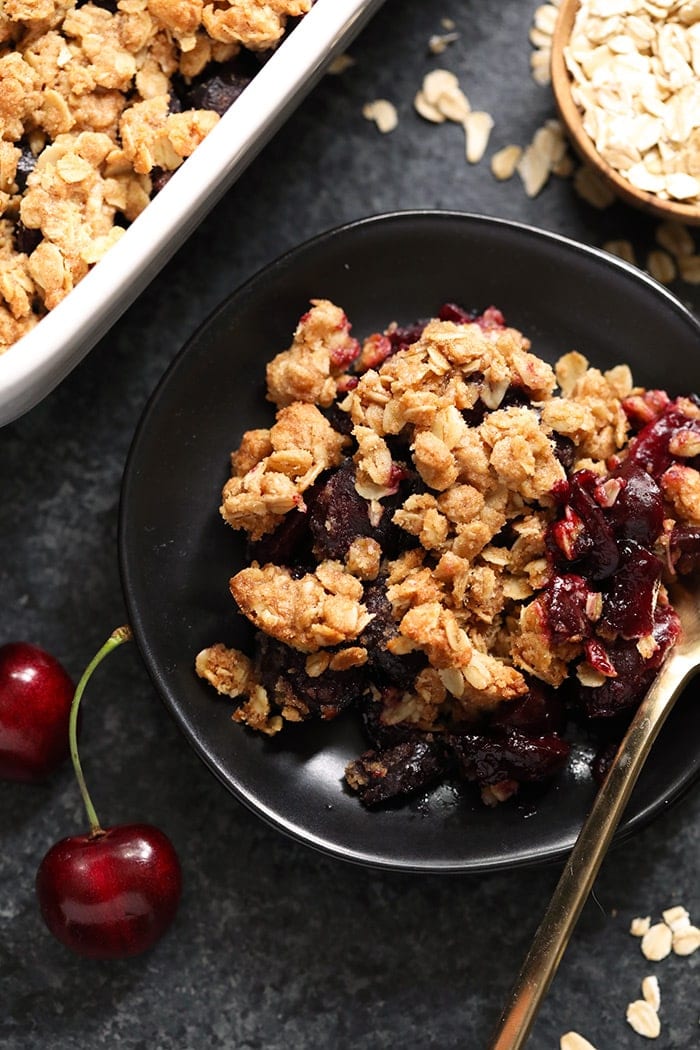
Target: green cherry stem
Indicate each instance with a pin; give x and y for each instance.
(116, 638)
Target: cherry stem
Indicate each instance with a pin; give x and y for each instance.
(116, 638)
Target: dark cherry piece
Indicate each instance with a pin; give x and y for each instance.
(597, 541)
(565, 599)
(218, 87)
(338, 514)
(290, 543)
(490, 318)
(26, 240)
(564, 450)
(283, 673)
(632, 673)
(638, 511)
(512, 756)
(515, 397)
(406, 768)
(404, 336)
(113, 892)
(457, 314)
(339, 420)
(650, 449)
(385, 667)
(159, 179)
(540, 712)
(628, 607)
(685, 547)
(35, 700)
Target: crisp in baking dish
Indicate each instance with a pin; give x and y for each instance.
(34, 365)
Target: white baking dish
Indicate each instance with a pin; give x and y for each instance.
(41, 359)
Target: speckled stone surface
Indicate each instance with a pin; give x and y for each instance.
(277, 947)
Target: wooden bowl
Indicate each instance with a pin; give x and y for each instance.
(688, 214)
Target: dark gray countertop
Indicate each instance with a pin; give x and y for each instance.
(276, 946)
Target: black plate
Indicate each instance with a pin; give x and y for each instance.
(177, 555)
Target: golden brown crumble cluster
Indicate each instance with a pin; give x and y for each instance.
(85, 92)
(460, 597)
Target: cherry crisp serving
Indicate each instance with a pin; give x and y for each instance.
(462, 544)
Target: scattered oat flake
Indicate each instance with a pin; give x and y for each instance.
(689, 267)
(574, 1041)
(589, 676)
(448, 23)
(546, 18)
(538, 38)
(533, 168)
(540, 66)
(677, 918)
(383, 113)
(624, 250)
(477, 128)
(651, 992)
(565, 167)
(639, 926)
(427, 110)
(339, 64)
(455, 106)
(549, 140)
(505, 161)
(656, 942)
(661, 267)
(678, 240)
(591, 187)
(437, 83)
(686, 941)
(643, 1018)
(439, 42)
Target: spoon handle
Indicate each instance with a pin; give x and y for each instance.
(582, 866)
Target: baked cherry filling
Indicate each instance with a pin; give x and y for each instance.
(610, 530)
(471, 564)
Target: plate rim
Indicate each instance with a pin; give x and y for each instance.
(548, 855)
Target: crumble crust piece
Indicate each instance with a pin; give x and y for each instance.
(272, 468)
(320, 609)
(321, 350)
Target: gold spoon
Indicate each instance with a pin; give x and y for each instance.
(581, 868)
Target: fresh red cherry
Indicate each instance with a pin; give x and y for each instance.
(35, 700)
(113, 892)
(110, 894)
